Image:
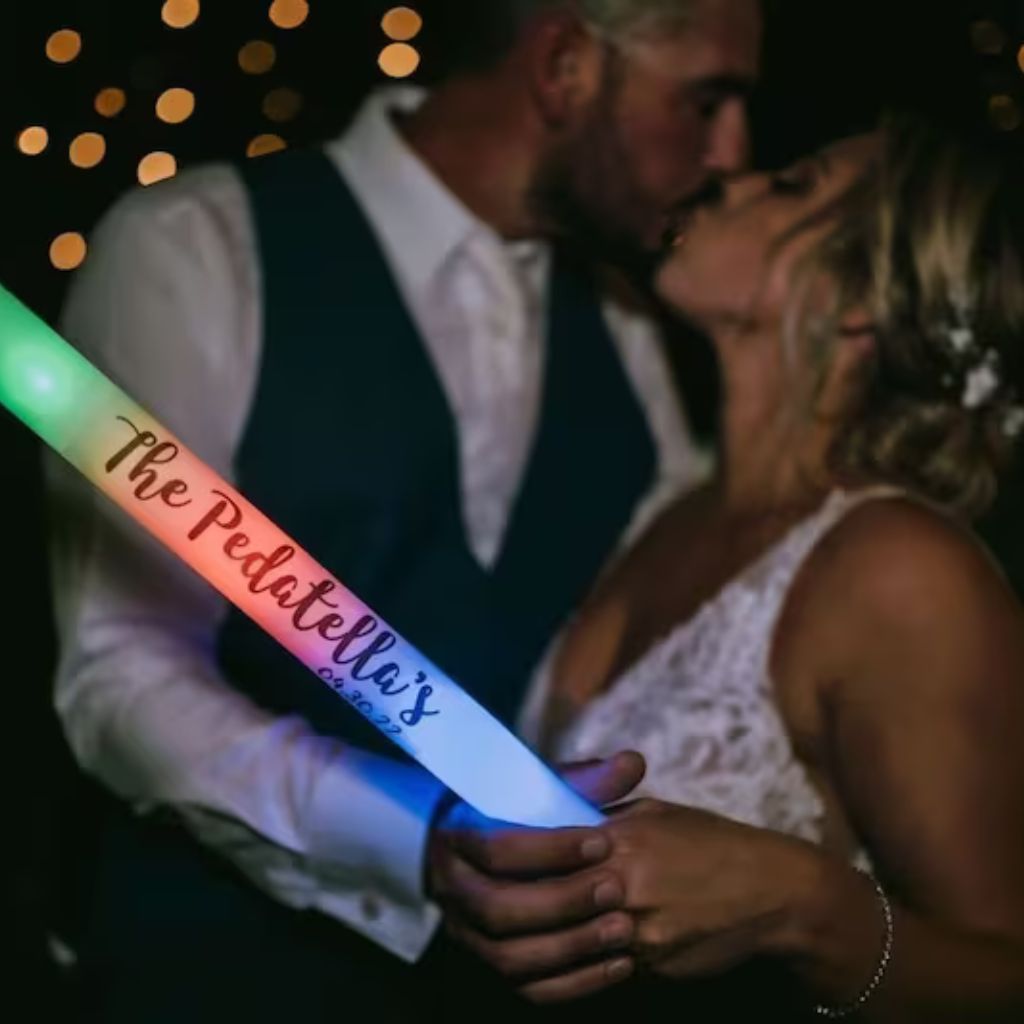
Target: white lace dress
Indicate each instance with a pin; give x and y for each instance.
(700, 705)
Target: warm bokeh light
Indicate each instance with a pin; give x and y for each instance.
(280, 105)
(987, 37)
(175, 106)
(399, 60)
(1020, 58)
(156, 167)
(257, 57)
(110, 102)
(87, 150)
(1004, 113)
(64, 46)
(68, 251)
(401, 24)
(264, 144)
(33, 140)
(289, 13)
(180, 13)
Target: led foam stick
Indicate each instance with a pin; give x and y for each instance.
(142, 467)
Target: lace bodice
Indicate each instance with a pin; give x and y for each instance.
(700, 705)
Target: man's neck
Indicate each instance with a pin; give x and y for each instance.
(481, 144)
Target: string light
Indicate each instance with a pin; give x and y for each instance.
(33, 140)
(64, 46)
(399, 60)
(68, 251)
(180, 13)
(110, 102)
(257, 57)
(988, 38)
(263, 145)
(401, 24)
(175, 106)
(1004, 113)
(289, 13)
(87, 150)
(280, 105)
(156, 167)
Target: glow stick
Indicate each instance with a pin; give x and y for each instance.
(142, 467)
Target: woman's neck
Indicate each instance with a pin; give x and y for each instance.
(774, 456)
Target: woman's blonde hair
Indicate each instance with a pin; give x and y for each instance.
(929, 241)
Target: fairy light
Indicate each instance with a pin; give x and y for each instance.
(110, 102)
(64, 46)
(156, 167)
(263, 145)
(257, 57)
(87, 150)
(68, 251)
(33, 140)
(401, 24)
(175, 106)
(399, 60)
(1004, 112)
(288, 14)
(180, 13)
(281, 105)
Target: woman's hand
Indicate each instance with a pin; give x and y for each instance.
(705, 893)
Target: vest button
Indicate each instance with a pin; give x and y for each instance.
(370, 908)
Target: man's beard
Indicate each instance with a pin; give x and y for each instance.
(584, 194)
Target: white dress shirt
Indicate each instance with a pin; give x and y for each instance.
(170, 305)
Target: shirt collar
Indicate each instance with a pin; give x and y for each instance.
(419, 221)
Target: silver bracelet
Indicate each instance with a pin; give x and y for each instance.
(837, 1012)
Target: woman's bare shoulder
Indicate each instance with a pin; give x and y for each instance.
(898, 585)
(898, 556)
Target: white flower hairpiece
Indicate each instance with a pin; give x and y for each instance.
(1013, 421)
(981, 382)
(982, 377)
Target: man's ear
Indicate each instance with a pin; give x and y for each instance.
(564, 63)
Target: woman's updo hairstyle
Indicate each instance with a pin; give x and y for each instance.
(931, 242)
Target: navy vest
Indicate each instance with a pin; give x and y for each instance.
(351, 448)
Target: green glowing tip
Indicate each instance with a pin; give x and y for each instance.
(43, 380)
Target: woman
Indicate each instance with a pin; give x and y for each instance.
(822, 668)
(832, 656)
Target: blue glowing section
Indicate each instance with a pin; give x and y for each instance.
(491, 769)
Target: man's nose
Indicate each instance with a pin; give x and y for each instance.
(728, 150)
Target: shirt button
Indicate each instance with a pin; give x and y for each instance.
(370, 908)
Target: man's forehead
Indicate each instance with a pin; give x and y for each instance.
(721, 42)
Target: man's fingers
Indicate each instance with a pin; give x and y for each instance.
(527, 852)
(586, 981)
(501, 909)
(604, 782)
(538, 956)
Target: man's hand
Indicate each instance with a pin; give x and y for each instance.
(539, 905)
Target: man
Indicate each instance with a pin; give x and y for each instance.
(359, 339)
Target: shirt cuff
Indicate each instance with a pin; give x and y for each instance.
(367, 831)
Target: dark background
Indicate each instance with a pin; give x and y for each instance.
(830, 67)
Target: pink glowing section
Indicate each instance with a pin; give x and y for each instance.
(206, 522)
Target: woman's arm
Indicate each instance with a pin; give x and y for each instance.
(920, 647)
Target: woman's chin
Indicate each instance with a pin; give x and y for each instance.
(672, 286)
